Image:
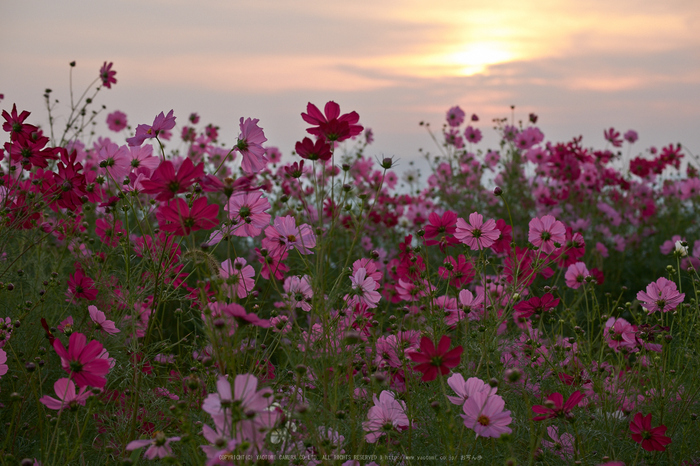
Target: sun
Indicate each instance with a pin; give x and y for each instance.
(474, 58)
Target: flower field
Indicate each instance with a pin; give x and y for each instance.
(168, 297)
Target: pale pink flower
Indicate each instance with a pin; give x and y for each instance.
(465, 389)
(101, 322)
(299, 292)
(575, 275)
(364, 289)
(283, 235)
(484, 414)
(142, 157)
(247, 210)
(476, 234)
(545, 232)
(67, 397)
(115, 160)
(238, 277)
(620, 334)
(250, 146)
(3, 361)
(386, 415)
(561, 445)
(661, 295)
(159, 446)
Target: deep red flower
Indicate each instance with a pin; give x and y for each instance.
(308, 149)
(332, 125)
(555, 406)
(651, 439)
(442, 227)
(166, 183)
(178, 218)
(81, 286)
(431, 359)
(525, 309)
(84, 362)
(15, 125)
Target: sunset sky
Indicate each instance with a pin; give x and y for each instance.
(581, 66)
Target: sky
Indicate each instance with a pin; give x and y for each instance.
(582, 67)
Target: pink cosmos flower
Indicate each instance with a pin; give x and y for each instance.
(283, 235)
(142, 157)
(332, 126)
(166, 183)
(236, 313)
(465, 389)
(455, 116)
(575, 275)
(364, 289)
(107, 75)
(620, 334)
(651, 439)
(432, 360)
(250, 146)
(661, 295)
(3, 361)
(238, 277)
(476, 234)
(299, 292)
(101, 322)
(162, 124)
(178, 218)
(115, 160)
(535, 305)
(247, 210)
(116, 121)
(159, 446)
(67, 397)
(385, 416)
(631, 136)
(485, 415)
(472, 134)
(83, 361)
(545, 232)
(561, 445)
(66, 326)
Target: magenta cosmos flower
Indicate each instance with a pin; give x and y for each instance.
(455, 116)
(555, 406)
(546, 233)
(310, 150)
(159, 446)
(81, 286)
(67, 397)
(283, 235)
(83, 361)
(298, 292)
(247, 210)
(332, 125)
(385, 416)
(107, 75)
(484, 414)
(476, 234)
(178, 218)
(650, 439)
(661, 295)
(166, 183)
(433, 360)
(250, 146)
